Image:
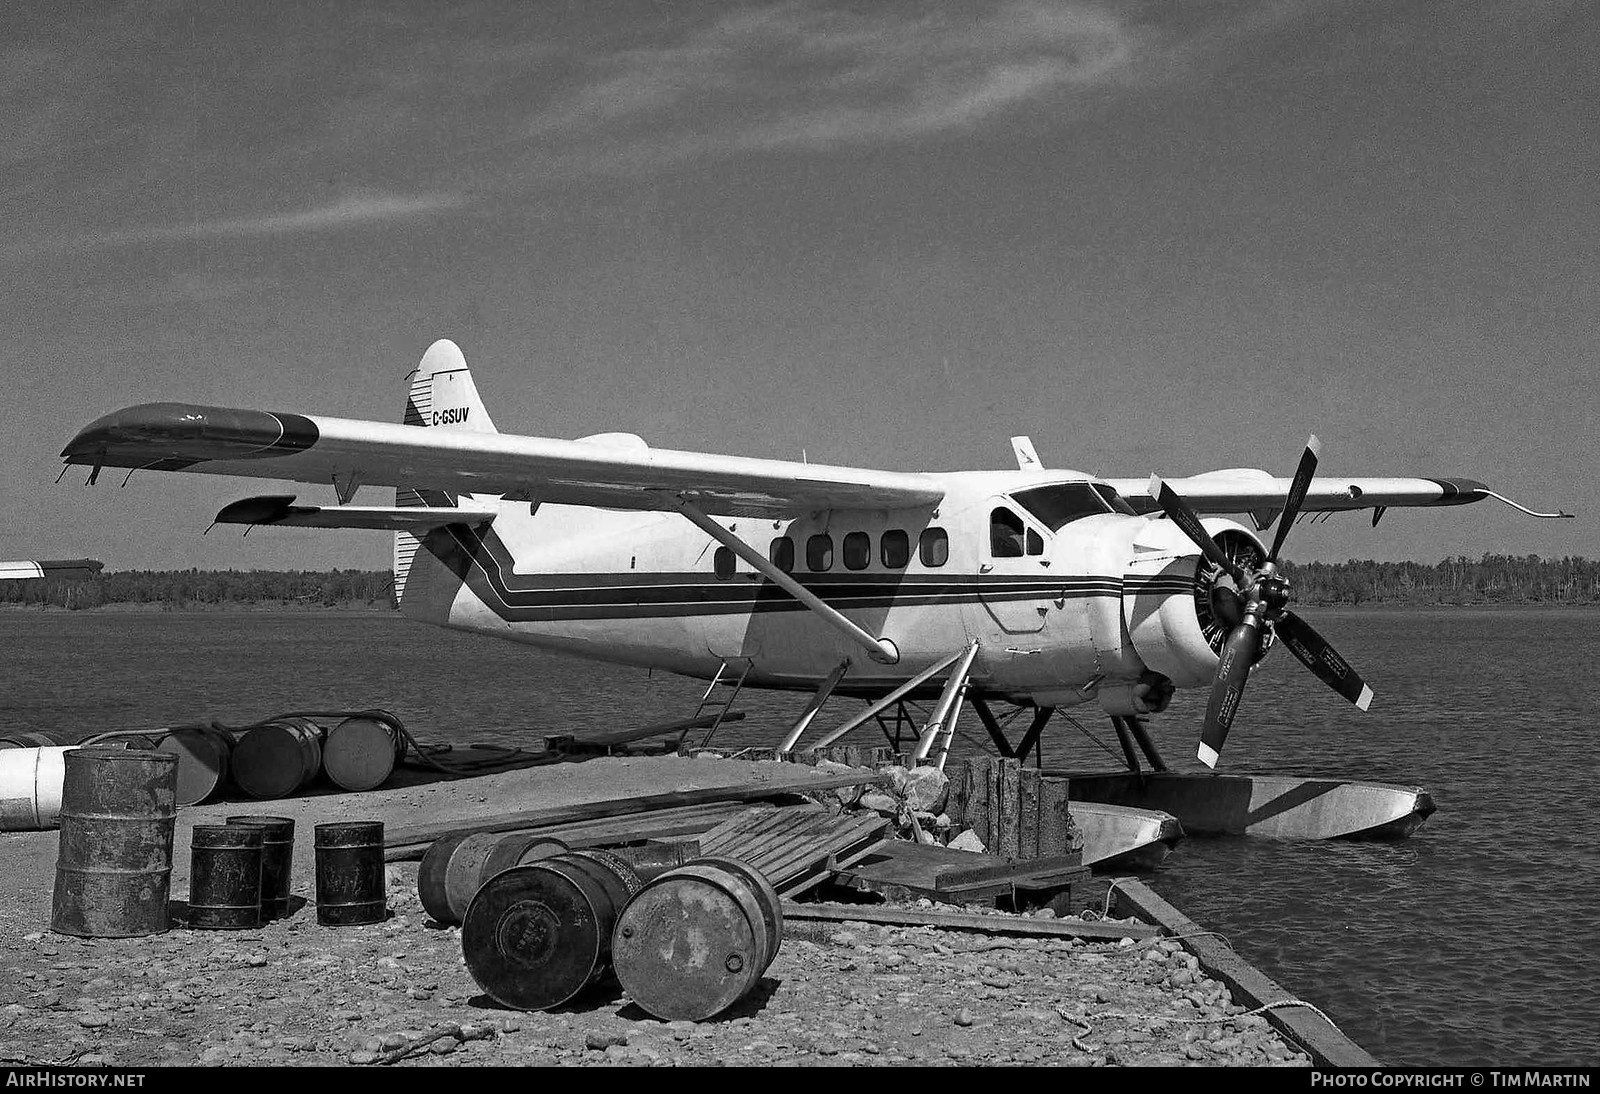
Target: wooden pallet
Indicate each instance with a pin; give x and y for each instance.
(795, 846)
(902, 870)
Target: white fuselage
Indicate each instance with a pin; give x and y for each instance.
(1047, 605)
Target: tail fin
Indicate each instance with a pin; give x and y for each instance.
(442, 396)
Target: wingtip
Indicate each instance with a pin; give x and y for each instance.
(1366, 697)
(1207, 755)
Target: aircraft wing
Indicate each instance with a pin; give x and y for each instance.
(1256, 492)
(348, 452)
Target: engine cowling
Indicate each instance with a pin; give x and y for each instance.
(1177, 605)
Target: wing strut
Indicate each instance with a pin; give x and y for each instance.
(881, 650)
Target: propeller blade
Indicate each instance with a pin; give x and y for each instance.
(1178, 510)
(1322, 659)
(1297, 493)
(1239, 652)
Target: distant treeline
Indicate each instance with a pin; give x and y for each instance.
(177, 589)
(1492, 579)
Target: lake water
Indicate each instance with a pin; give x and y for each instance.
(1474, 942)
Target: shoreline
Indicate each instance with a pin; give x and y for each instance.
(296, 992)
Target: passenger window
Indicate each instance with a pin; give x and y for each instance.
(895, 550)
(1005, 534)
(782, 554)
(819, 552)
(857, 551)
(933, 547)
(1035, 543)
(722, 562)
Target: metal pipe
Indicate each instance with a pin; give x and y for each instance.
(881, 650)
(887, 701)
(954, 688)
(1142, 735)
(823, 691)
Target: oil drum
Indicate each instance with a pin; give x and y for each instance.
(350, 873)
(114, 866)
(277, 862)
(202, 753)
(276, 759)
(361, 753)
(30, 787)
(696, 939)
(457, 865)
(225, 877)
(537, 935)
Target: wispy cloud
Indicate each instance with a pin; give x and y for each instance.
(346, 212)
(795, 76)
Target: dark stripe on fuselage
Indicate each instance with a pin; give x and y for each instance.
(484, 564)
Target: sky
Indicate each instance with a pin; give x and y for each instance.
(1153, 237)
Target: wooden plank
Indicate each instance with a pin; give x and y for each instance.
(796, 861)
(830, 868)
(606, 831)
(1007, 837)
(663, 729)
(1056, 828)
(1028, 814)
(962, 921)
(803, 781)
(1324, 1042)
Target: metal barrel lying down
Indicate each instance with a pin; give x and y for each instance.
(225, 877)
(278, 758)
(455, 867)
(697, 939)
(277, 862)
(203, 754)
(360, 753)
(31, 781)
(114, 866)
(350, 873)
(535, 936)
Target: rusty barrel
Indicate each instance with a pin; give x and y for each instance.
(361, 753)
(696, 940)
(277, 862)
(114, 866)
(203, 753)
(225, 877)
(537, 935)
(350, 873)
(278, 758)
(455, 867)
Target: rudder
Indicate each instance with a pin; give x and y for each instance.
(442, 396)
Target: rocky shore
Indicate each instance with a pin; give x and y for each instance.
(398, 993)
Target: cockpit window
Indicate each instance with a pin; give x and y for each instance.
(1063, 503)
(1117, 502)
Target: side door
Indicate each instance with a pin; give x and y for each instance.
(1013, 569)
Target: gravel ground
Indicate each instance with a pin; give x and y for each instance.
(298, 993)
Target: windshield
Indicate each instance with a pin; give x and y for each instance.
(1063, 503)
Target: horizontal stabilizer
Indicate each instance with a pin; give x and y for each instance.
(279, 509)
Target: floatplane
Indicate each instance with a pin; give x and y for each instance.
(1037, 589)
